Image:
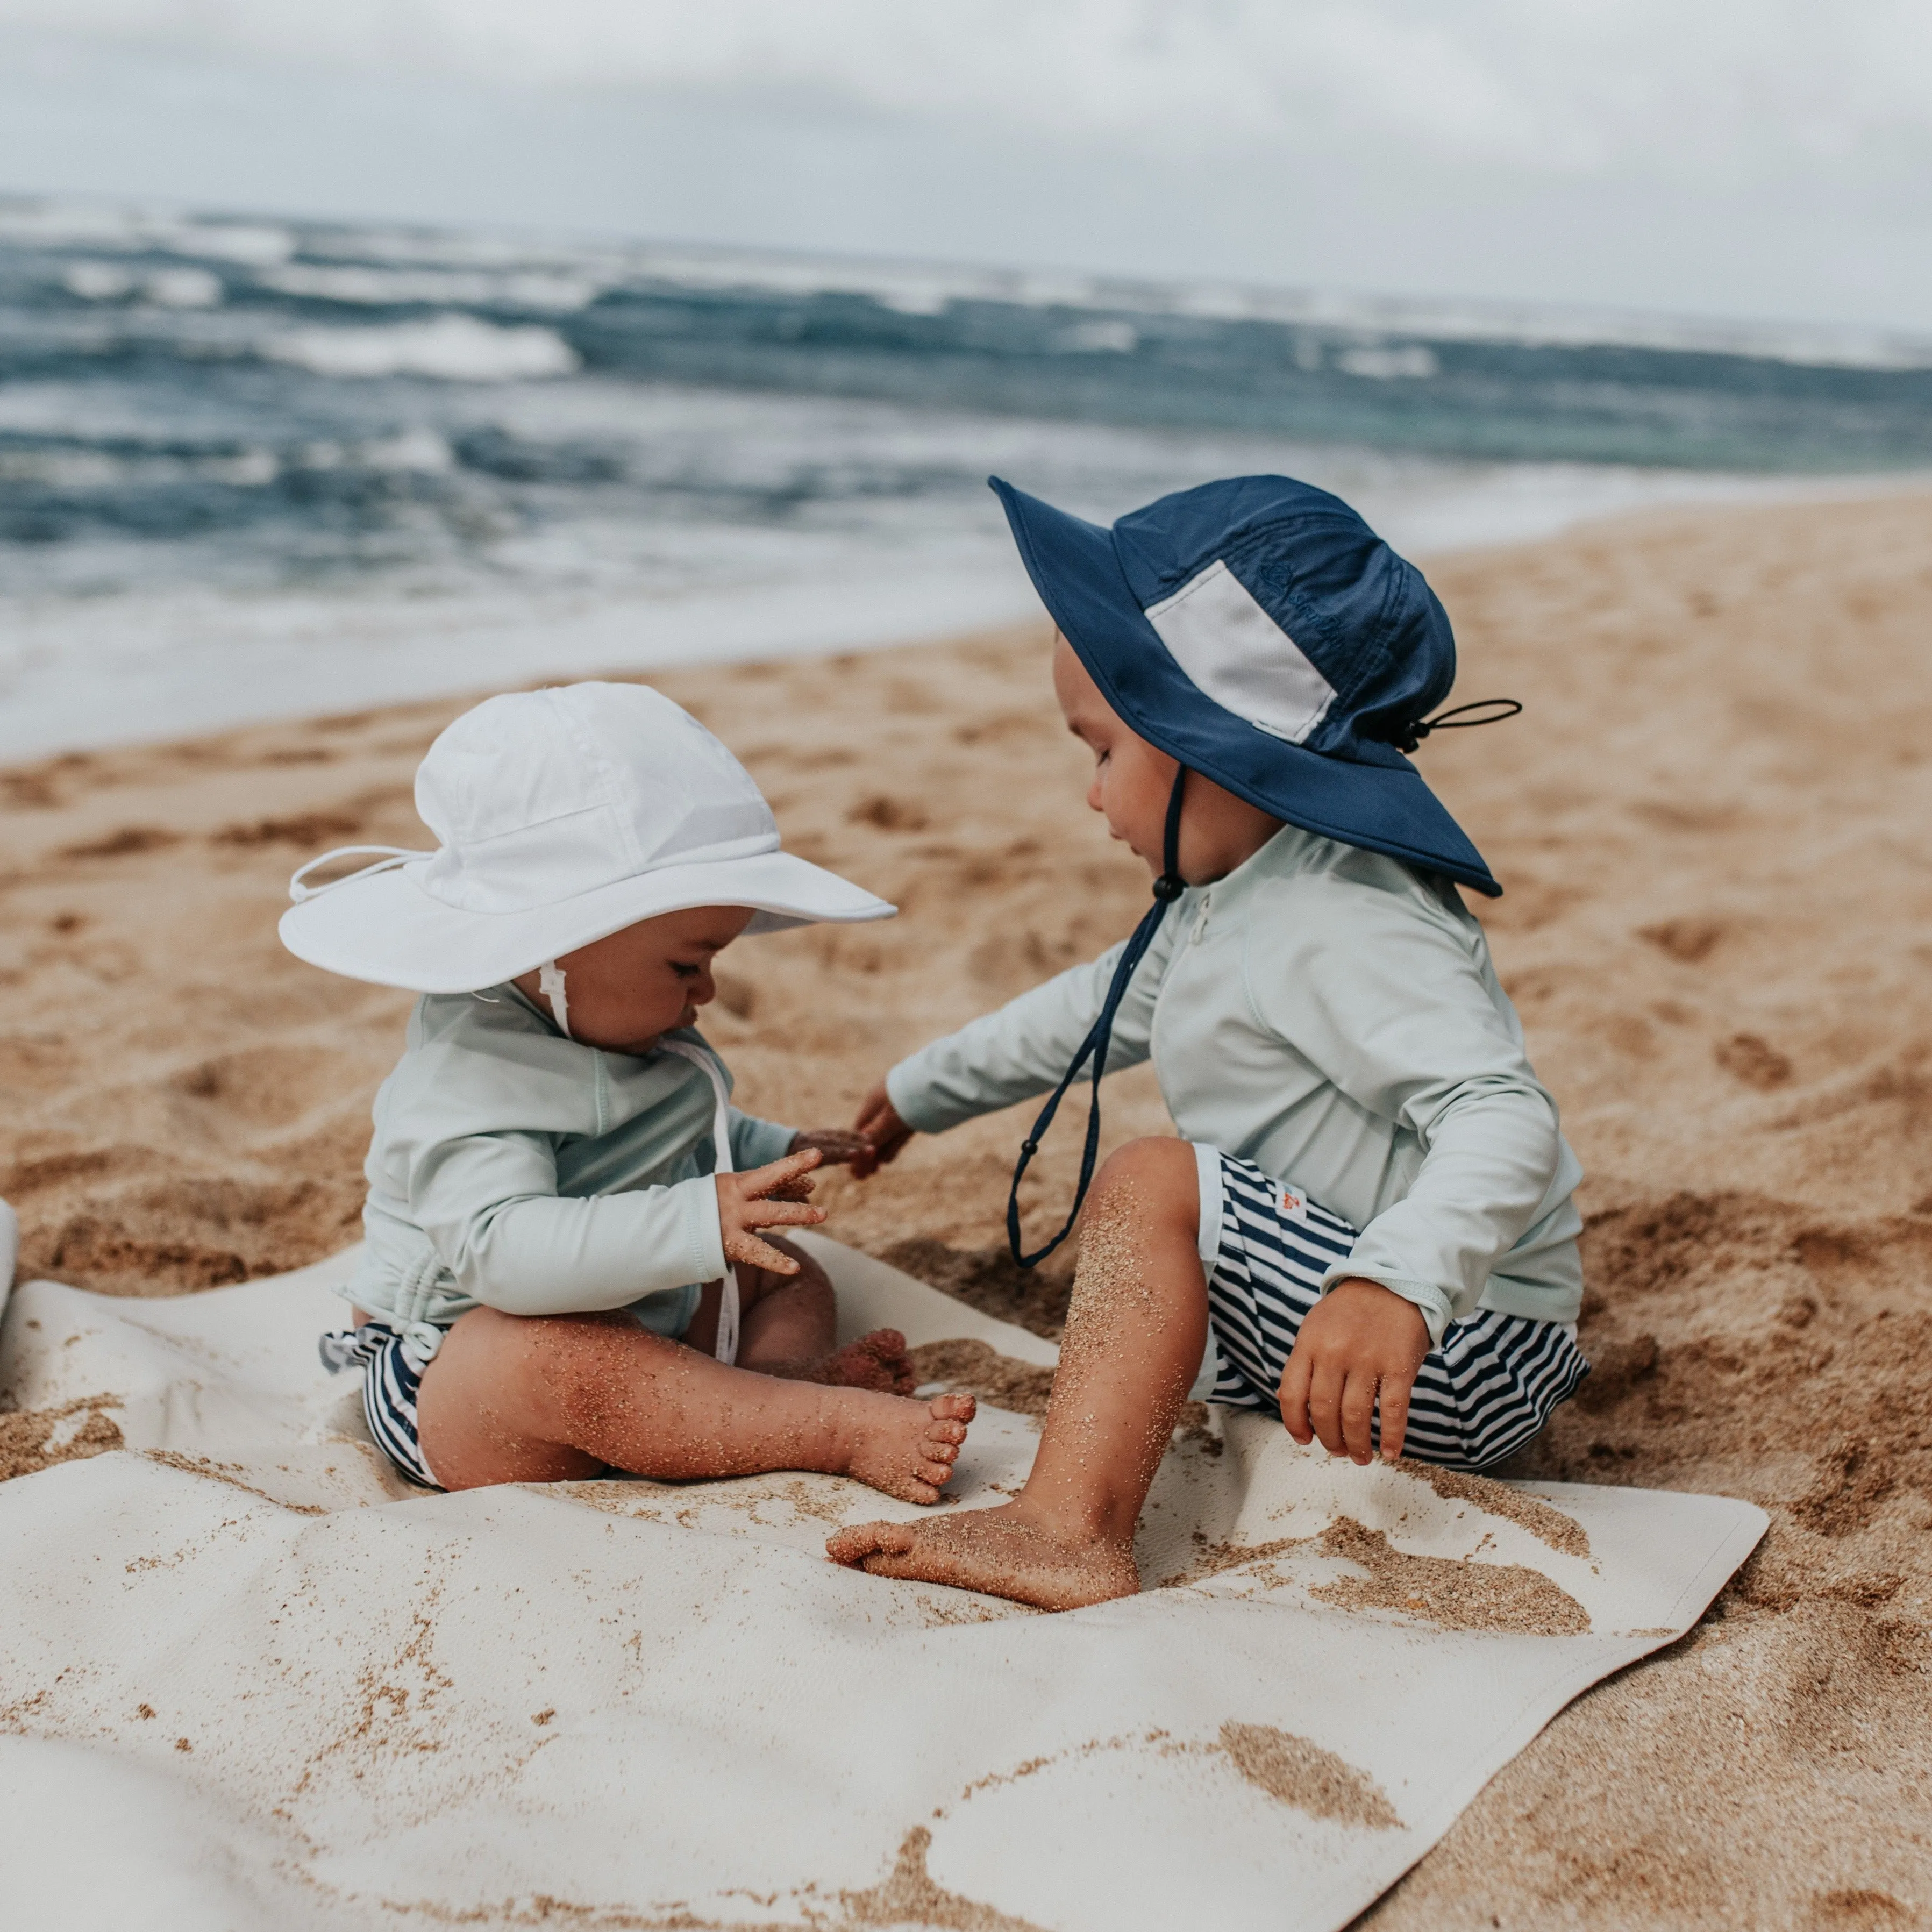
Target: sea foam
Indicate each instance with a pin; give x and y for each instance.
(449, 348)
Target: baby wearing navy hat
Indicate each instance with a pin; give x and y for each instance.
(1366, 1225)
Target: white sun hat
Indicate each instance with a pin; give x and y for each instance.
(563, 816)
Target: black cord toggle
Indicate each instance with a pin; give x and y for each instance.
(1168, 888)
(1495, 710)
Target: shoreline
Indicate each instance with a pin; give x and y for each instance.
(89, 673)
(1714, 930)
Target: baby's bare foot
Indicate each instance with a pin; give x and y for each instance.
(878, 1360)
(906, 1448)
(1003, 1552)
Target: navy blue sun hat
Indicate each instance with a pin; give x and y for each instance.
(1258, 632)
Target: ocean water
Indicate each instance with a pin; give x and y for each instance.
(251, 468)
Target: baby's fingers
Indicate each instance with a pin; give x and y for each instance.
(742, 1245)
(1293, 1396)
(774, 1214)
(1358, 1416)
(1396, 1390)
(765, 1183)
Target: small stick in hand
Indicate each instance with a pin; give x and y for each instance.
(840, 1146)
(883, 1131)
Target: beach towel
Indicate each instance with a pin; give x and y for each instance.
(248, 1678)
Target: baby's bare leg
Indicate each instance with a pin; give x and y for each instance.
(1135, 1333)
(789, 1324)
(508, 1400)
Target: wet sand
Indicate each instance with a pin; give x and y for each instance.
(1718, 930)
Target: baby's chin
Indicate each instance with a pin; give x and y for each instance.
(644, 1043)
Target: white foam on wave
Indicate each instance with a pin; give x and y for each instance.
(375, 288)
(167, 288)
(551, 272)
(112, 227)
(929, 289)
(451, 348)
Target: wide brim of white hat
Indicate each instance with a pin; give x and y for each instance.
(387, 929)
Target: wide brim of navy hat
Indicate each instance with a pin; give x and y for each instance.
(1372, 796)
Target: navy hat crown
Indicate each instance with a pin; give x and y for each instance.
(1363, 618)
(1258, 631)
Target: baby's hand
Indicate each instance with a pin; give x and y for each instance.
(768, 1197)
(884, 1132)
(839, 1145)
(1360, 1341)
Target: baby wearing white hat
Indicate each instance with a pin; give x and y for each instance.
(565, 1271)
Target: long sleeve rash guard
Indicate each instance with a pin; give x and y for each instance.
(1334, 1018)
(516, 1168)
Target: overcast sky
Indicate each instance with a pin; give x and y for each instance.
(1744, 157)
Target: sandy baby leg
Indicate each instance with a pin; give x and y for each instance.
(791, 1324)
(1135, 1333)
(511, 1400)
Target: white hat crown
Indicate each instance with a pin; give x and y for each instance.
(536, 797)
(561, 816)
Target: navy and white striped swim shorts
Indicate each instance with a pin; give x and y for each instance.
(1486, 1390)
(392, 1371)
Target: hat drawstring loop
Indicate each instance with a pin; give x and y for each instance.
(730, 1305)
(1496, 709)
(1167, 889)
(395, 855)
(550, 984)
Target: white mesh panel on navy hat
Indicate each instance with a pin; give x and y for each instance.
(1236, 654)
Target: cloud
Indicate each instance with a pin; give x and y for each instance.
(1752, 156)
(1573, 87)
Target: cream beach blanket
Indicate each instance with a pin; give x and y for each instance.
(247, 1679)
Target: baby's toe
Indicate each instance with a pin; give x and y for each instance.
(861, 1539)
(954, 1408)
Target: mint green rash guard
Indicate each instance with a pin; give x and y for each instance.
(513, 1169)
(1332, 1017)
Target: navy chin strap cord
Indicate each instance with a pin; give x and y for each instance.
(1167, 889)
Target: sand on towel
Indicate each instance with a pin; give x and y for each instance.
(1718, 930)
